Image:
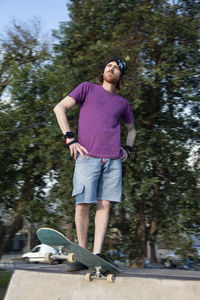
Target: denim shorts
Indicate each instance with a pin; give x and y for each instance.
(97, 179)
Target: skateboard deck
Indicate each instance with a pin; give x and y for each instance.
(52, 237)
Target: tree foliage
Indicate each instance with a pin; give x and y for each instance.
(24, 121)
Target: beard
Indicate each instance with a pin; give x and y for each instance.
(110, 77)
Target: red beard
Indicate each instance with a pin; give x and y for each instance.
(110, 77)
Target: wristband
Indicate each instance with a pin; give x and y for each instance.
(70, 143)
(69, 134)
(128, 149)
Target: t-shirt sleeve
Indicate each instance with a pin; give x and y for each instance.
(127, 115)
(80, 92)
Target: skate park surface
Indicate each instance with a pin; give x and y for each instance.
(131, 284)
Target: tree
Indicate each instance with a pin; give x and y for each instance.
(24, 118)
(21, 45)
(165, 61)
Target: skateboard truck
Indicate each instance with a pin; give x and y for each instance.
(99, 275)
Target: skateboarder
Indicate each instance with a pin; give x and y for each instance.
(98, 152)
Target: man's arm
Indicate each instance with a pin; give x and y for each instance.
(60, 110)
(130, 139)
(131, 134)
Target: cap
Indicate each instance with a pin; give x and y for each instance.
(121, 64)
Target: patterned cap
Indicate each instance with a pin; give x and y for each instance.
(121, 64)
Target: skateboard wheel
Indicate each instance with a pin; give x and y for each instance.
(110, 278)
(88, 277)
(48, 258)
(71, 258)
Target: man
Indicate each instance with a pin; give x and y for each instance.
(98, 152)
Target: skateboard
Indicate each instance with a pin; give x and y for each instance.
(102, 269)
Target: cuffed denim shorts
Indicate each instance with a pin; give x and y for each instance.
(97, 179)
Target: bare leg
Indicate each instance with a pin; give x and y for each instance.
(101, 223)
(82, 223)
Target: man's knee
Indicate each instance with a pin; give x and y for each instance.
(103, 204)
(82, 208)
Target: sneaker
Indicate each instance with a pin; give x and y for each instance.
(76, 266)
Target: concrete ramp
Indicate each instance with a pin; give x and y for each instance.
(37, 285)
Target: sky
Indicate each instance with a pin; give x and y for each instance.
(49, 12)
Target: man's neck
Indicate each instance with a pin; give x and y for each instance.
(108, 86)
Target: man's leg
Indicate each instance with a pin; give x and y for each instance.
(101, 223)
(82, 223)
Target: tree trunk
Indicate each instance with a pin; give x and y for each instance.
(9, 233)
(153, 252)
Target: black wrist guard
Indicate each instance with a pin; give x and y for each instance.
(70, 143)
(69, 135)
(128, 149)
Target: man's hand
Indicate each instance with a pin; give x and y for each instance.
(77, 148)
(124, 156)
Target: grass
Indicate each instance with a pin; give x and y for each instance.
(4, 281)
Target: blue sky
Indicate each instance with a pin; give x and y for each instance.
(49, 12)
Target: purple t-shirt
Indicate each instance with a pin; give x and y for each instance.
(99, 119)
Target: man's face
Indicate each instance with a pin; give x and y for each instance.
(112, 72)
